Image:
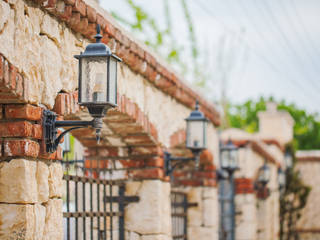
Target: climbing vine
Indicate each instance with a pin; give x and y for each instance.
(292, 201)
(163, 40)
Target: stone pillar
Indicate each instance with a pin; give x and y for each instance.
(201, 188)
(203, 220)
(274, 124)
(150, 218)
(30, 180)
(246, 211)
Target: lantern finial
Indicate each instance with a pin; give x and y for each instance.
(98, 36)
(197, 105)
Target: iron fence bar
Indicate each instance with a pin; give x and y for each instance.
(91, 200)
(98, 200)
(68, 202)
(76, 207)
(90, 214)
(84, 209)
(185, 209)
(121, 209)
(93, 180)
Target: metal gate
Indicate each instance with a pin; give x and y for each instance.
(179, 208)
(94, 204)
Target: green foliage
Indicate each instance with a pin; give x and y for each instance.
(292, 201)
(306, 127)
(163, 40)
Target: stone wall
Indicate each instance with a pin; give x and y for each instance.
(38, 71)
(308, 165)
(30, 180)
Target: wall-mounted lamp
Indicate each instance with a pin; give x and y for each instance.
(288, 160)
(228, 158)
(281, 180)
(97, 91)
(263, 179)
(196, 140)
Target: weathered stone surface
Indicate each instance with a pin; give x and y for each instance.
(132, 236)
(155, 237)
(7, 30)
(202, 233)
(22, 221)
(18, 181)
(210, 212)
(195, 217)
(151, 215)
(55, 180)
(50, 27)
(53, 229)
(42, 181)
(50, 71)
(4, 14)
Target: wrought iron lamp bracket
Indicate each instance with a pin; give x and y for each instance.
(169, 167)
(51, 125)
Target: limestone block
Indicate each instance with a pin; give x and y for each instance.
(18, 181)
(132, 236)
(132, 188)
(22, 221)
(195, 213)
(203, 233)
(209, 192)
(155, 237)
(53, 229)
(246, 231)
(55, 180)
(210, 213)
(151, 215)
(42, 182)
(69, 68)
(7, 31)
(40, 219)
(4, 14)
(50, 70)
(50, 27)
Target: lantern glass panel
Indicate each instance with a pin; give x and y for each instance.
(264, 174)
(288, 160)
(196, 134)
(233, 159)
(94, 80)
(281, 179)
(225, 159)
(112, 81)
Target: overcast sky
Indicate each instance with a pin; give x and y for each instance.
(274, 44)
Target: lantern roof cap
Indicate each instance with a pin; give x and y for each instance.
(196, 114)
(97, 49)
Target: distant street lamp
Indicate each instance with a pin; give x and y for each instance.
(229, 164)
(196, 140)
(281, 179)
(264, 175)
(288, 159)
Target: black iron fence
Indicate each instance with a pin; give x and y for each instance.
(94, 203)
(179, 208)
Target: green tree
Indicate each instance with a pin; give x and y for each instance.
(306, 127)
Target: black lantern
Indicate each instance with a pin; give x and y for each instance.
(97, 91)
(281, 179)
(98, 77)
(229, 157)
(288, 159)
(196, 130)
(196, 140)
(264, 175)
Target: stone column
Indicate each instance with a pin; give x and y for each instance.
(246, 210)
(150, 218)
(30, 180)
